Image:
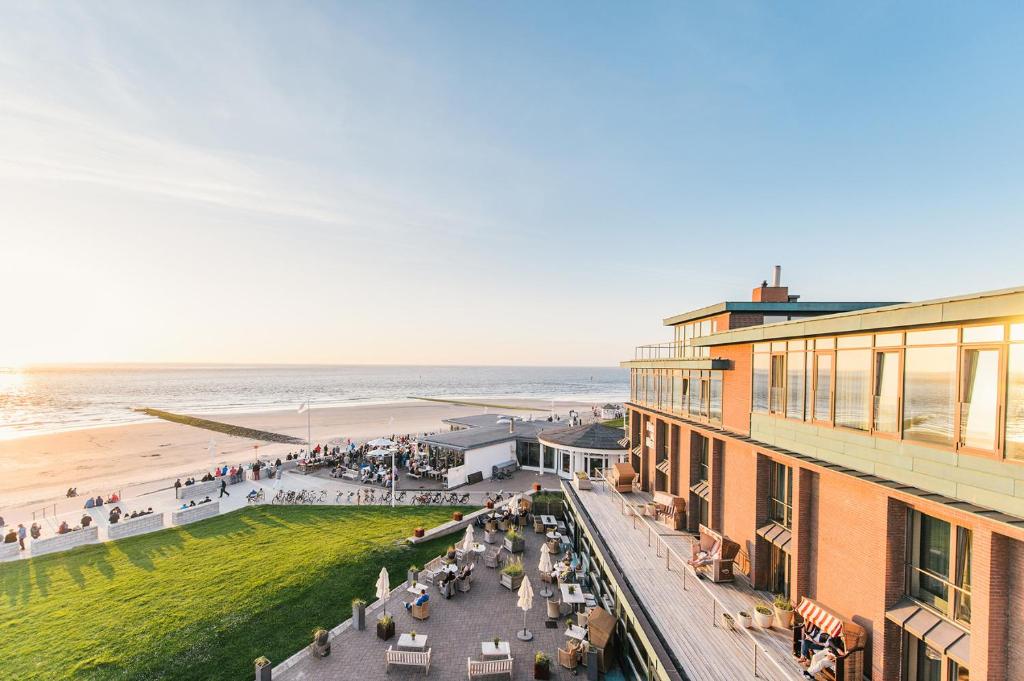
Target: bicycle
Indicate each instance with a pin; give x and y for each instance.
(257, 498)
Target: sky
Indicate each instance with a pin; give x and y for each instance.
(526, 183)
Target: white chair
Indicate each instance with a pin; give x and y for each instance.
(407, 658)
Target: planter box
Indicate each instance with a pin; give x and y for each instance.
(194, 513)
(9, 551)
(491, 526)
(511, 583)
(418, 532)
(63, 542)
(491, 537)
(515, 545)
(385, 631)
(411, 576)
(263, 672)
(541, 671)
(133, 526)
(200, 489)
(762, 620)
(784, 618)
(746, 621)
(359, 617)
(580, 483)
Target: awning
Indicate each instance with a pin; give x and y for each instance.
(624, 442)
(663, 466)
(701, 489)
(636, 450)
(776, 534)
(930, 627)
(819, 617)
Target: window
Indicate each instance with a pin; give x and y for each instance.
(715, 413)
(776, 397)
(779, 570)
(979, 401)
(853, 381)
(679, 386)
(566, 462)
(762, 368)
(939, 566)
(703, 463)
(1015, 404)
(549, 458)
(795, 385)
(528, 454)
(780, 494)
(885, 415)
(698, 397)
(929, 394)
(823, 388)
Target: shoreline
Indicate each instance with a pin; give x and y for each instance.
(137, 458)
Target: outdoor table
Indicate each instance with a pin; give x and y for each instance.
(451, 567)
(479, 548)
(574, 631)
(549, 521)
(487, 650)
(554, 535)
(417, 588)
(574, 599)
(409, 643)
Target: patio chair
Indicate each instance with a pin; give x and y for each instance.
(431, 570)
(567, 659)
(538, 526)
(720, 552)
(492, 558)
(554, 609)
(420, 612)
(464, 585)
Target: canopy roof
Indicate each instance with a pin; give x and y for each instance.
(590, 436)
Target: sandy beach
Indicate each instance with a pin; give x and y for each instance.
(139, 457)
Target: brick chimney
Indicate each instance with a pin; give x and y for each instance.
(776, 293)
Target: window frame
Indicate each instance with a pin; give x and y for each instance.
(831, 388)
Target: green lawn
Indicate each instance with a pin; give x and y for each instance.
(202, 601)
(616, 423)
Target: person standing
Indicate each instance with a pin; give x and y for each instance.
(224, 488)
(21, 535)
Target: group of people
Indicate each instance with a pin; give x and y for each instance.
(449, 580)
(819, 650)
(97, 501)
(193, 503)
(116, 515)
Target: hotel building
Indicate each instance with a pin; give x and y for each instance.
(869, 456)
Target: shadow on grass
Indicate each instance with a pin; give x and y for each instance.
(144, 549)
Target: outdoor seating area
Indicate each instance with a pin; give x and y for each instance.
(840, 653)
(713, 554)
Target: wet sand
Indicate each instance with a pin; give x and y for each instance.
(139, 457)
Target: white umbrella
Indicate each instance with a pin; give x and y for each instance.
(467, 544)
(524, 603)
(545, 567)
(383, 588)
(513, 505)
(381, 442)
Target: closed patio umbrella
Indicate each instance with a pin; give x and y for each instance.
(545, 567)
(384, 588)
(524, 603)
(467, 543)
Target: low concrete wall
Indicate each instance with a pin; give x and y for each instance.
(63, 542)
(200, 490)
(133, 526)
(194, 513)
(9, 551)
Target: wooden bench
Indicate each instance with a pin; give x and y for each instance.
(68, 540)
(139, 525)
(671, 510)
(849, 664)
(477, 668)
(194, 513)
(407, 658)
(718, 563)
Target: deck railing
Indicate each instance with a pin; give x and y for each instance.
(671, 350)
(717, 606)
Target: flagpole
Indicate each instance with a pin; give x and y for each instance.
(309, 416)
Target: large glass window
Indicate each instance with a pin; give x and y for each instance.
(979, 405)
(679, 389)
(698, 397)
(780, 494)
(776, 396)
(939, 566)
(929, 394)
(779, 570)
(795, 385)
(885, 403)
(703, 461)
(823, 388)
(853, 380)
(716, 396)
(762, 368)
(1015, 404)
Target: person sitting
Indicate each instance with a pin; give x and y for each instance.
(114, 498)
(115, 515)
(11, 537)
(826, 657)
(216, 472)
(707, 557)
(99, 501)
(420, 600)
(251, 495)
(90, 503)
(35, 530)
(188, 481)
(63, 528)
(814, 639)
(192, 503)
(86, 520)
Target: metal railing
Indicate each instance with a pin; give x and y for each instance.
(671, 350)
(717, 606)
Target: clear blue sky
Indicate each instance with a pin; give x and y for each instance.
(480, 182)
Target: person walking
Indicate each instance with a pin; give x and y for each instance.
(21, 535)
(224, 488)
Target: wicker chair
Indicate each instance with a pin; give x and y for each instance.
(538, 526)
(420, 612)
(554, 609)
(566, 659)
(492, 558)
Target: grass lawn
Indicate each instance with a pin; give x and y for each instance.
(201, 601)
(616, 423)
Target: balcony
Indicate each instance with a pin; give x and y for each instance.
(675, 354)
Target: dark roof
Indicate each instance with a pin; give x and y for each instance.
(809, 308)
(472, 438)
(590, 436)
(479, 420)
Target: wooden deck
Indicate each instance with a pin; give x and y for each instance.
(686, 610)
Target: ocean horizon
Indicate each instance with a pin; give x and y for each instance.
(46, 399)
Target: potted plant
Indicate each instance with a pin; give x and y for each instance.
(321, 645)
(783, 612)
(496, 641)
(514, 541)
(358, 614)
(262, 669)
(413, 574)
(746, 621)
(491, 535)
(418, 532)
(491, 525)
(412, 634)
(536, 488)
(489, 503)
(581, 480)
(450, 554)
(512, 575)
(385, 627)
(763, 615)
(456, 515)
(571, 589)
(541, 666)
(728, 622)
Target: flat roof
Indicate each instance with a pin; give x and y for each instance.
(796, 307)
(479, 420)
(957, 309)
(483, 436)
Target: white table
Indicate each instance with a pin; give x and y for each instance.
(576, 632)
(451, 567)
(549, 521)
(554, 535)
(407, 642)
(417, 588)
(478, 547)
(575, 598)
(487, 650)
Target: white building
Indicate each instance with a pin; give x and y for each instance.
(583, 448)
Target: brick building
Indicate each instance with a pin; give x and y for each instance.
(867, 455)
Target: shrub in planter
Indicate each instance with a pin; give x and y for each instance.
(514, 541)
(450, 554)
(783, 612)
(418, 532)
(385, 627)
(358, 614)
(763, 615)
(541, 666)
(321, 645)
(489, 504)
(746, 621)
(413, 574)
(456, 515)
(491, 526)
(262, 669)
(512, 575)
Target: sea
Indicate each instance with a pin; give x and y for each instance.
(40, 400)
